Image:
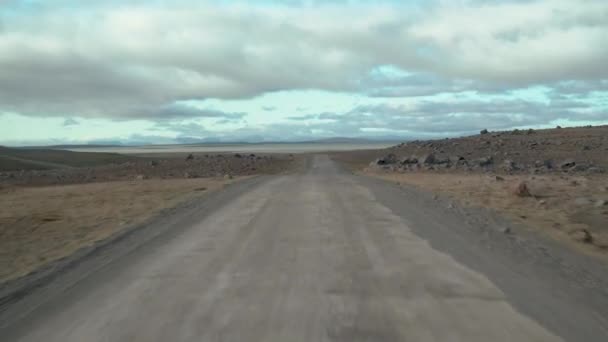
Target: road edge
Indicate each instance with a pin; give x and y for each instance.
(20, 296)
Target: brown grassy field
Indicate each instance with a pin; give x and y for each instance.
(41, 224)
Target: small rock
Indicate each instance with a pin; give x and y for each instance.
(190, 157)
(595, 169)
(582, 201)
(499, 179)
(483, 131)
(409, 160)
(566, 164)
(522, 190)
(485, 161)
(389, 159)
(583, 235)
(457, 160)
(237, 155)
(586, 148)
(558, 127)
(140, 177)
(228, 176)
(578, 168)
(600, 203)
(509, 165)
(506, 230)
(428, 159)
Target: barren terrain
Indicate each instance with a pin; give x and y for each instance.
(171, 166)
(54, 202)
(552, 181)
(41, 224)
(319, 255)
(571, 209)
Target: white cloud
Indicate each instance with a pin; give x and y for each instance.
(521, 43)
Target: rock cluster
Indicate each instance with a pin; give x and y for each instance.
(571, 150)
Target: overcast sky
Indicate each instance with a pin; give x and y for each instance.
(180, 71)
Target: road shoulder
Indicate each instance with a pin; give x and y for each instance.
(537, 274)
(22, 295)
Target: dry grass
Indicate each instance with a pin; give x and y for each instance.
(563, 207)
(42, 224)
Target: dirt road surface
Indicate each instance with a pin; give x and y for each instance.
(318, 256)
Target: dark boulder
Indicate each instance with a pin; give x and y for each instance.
(409, 160)
(567, 164)
(428, 159)
(485, 161)
(386, 160)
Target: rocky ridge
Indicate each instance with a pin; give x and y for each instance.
(573, 150)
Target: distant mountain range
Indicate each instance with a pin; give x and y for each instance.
(195, 141)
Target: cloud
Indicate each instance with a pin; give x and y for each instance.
(306, 117)
(580, 88)
(453, 118)
(138, 60)
(70, 122)
(187, 129)
(186, 111)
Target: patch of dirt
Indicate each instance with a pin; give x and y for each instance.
(39, 225)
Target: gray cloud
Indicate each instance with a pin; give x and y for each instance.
(185, 111)
(580, 88)
(70, 122)
(460, 117)
(137, 60)
(422, 84)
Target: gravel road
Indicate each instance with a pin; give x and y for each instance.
(322, 255)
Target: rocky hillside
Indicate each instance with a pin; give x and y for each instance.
(572, 150)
